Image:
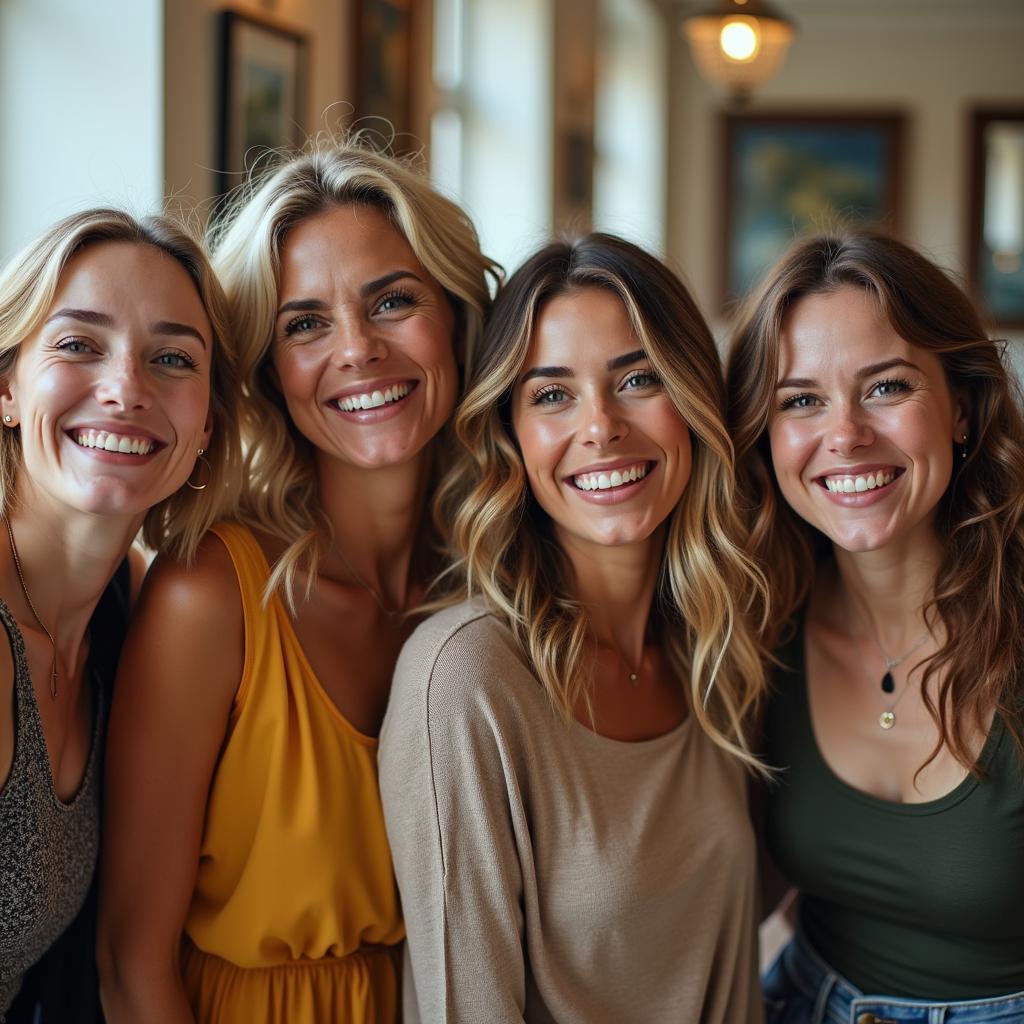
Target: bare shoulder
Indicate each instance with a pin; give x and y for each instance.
(188, 624)
(206, 589)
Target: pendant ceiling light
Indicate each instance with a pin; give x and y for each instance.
(738, 44)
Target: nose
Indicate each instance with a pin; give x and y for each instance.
(848, 429)
(357, 344)
(601, 423)
(125, 384)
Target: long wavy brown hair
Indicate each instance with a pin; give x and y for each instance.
(502, 544)
(977, 594)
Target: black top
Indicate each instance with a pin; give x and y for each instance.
(63, 987)
(919, 900)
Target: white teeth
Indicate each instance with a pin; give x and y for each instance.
(858, 484)
(125, 444)
(374, 399)
(616, 478)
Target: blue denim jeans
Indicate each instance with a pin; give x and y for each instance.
(800, 988)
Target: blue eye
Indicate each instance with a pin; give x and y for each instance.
(395, 300)
(73, 345)
(552, 394)
(641, 379)
(302, 324)
(176, 360)
(888, 388)
(799, 402)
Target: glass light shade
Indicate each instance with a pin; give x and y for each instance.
(738, 51)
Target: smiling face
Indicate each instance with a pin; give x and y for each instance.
(606, 452)
(864, 423)
(363, 344)
(111, 393)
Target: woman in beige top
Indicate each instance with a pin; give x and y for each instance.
(562, 762)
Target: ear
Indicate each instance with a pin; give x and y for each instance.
(8, 404)
(961, 418)
(207, 430)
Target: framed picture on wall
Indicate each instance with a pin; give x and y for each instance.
(787, 173)
(262, 92)
(383, 69)
(996, 223)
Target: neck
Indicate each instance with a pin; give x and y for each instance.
(890, 587)
(67, 559)
(375, 515)
(615, 584)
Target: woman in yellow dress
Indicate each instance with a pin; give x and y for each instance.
(247, 874)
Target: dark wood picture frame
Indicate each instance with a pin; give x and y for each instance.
(1004, 307)
(784, 172)
(262, 92)
(384, 56)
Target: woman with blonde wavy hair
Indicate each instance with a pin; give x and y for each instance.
(562, 763)
(117, 388)
(249, 877)
(881, 442)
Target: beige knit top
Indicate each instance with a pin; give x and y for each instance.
(549, 874)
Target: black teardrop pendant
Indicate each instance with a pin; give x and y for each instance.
(888, 684)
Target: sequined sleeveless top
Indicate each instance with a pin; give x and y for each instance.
(48, 848)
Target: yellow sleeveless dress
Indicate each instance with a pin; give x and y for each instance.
(295, 916)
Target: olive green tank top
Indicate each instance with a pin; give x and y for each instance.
(919, 900)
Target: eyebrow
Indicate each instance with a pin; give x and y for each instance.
(96, 319)
(319, 306)
(177, 330)
(564, 371)
(85, 316)
(864, 371)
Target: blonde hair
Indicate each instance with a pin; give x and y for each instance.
(980, 520)
(281, 496)
(501, 543)
(28, 285)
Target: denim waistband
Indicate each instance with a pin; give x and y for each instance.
(843, 1003)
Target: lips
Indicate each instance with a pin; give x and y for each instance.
(611, 477)
(109, 441)
(374, 397)
(860, 482)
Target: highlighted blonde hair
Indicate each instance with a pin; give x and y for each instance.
(980, 520)
(281, 496)
(502, 546)
(28, 285)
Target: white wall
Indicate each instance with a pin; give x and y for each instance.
(81, 110)
(931, 60)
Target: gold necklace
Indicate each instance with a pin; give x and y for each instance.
(394, 616)
(32, 609)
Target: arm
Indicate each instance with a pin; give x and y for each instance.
(179, 670)
(445, 777)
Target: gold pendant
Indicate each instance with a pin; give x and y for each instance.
(886, 719)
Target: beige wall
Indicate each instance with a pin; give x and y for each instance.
(932, 61)
(190, 80)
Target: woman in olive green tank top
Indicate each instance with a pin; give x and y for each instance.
(882, 446)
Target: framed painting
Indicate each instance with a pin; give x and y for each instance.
(262, 92)
(995, 244)
(786, 173)
(384, 69)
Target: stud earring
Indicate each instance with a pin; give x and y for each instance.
(8, 418)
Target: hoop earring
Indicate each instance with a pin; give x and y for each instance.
(209, 472)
